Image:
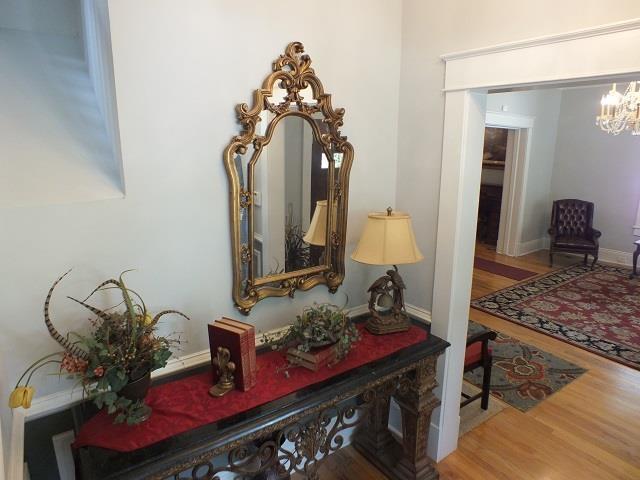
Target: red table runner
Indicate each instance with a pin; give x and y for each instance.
(185, 404)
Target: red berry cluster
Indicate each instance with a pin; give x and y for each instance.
(73, 364)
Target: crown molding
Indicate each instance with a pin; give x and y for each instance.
(606, 29)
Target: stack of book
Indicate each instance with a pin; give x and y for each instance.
(240, 339)
(313, 360)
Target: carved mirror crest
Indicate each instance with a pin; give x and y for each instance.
(289, 180)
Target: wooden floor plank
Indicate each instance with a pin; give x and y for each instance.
(590, 429)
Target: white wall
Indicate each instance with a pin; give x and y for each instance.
(97, 52)
(179, 73)
(295, 157)
(431, 28)
(5, 419)
(180, 68)
(571, 157)
(593, 165)
(55, 147)
(544, 107)
(273, 210)
(43, 16)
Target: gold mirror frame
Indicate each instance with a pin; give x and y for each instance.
(292, 72)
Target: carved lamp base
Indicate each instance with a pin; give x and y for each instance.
(392, 323)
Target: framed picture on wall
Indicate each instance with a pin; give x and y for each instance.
(494, 153)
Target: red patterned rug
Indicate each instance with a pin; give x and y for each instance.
(596, 310)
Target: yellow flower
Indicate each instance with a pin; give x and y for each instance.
(21, 397)
(148, 319)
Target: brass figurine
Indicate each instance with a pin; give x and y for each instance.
(305, 97)
(225, 371)
(386, 304)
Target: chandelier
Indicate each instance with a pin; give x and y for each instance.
(620, 112)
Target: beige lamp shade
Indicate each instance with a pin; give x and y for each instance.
(387, 239)
(317, 233)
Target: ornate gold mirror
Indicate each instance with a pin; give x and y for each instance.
(289, 178)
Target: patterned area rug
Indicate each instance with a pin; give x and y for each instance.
(523, 375)
(596, 310)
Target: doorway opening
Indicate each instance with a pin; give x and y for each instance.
(496, 154)
(469, 77)
(505, 161)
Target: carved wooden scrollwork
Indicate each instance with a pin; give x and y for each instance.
(304, 97)
(300, 447)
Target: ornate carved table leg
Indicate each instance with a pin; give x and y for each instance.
(373, 439)
(417, 401)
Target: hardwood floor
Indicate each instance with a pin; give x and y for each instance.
(588, 430)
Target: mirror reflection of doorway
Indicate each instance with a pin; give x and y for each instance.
(318, 190)
(319, 174)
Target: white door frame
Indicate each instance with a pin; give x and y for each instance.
(589, 54)
(1, 454)
(515, 178)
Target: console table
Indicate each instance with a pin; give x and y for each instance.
(295, 433)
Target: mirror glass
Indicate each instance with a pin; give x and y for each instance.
(291, 176)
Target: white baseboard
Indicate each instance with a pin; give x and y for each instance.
(606, 255)
(421, 313)
(616, 257)
(531, 246)
(359, 310)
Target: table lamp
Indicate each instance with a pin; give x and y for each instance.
(317, 233)
(387, 239)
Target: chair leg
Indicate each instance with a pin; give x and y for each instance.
(586, 256)
(486, 383)
(551, 258)
(595, 259)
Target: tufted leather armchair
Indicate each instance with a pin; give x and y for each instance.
(572, 229)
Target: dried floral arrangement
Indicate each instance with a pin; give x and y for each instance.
(297, 253)
(121, 349)
(319, 325)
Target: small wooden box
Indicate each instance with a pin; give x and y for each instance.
(314, 360)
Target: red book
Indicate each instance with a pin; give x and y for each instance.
(250, 345)
(236, 340)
